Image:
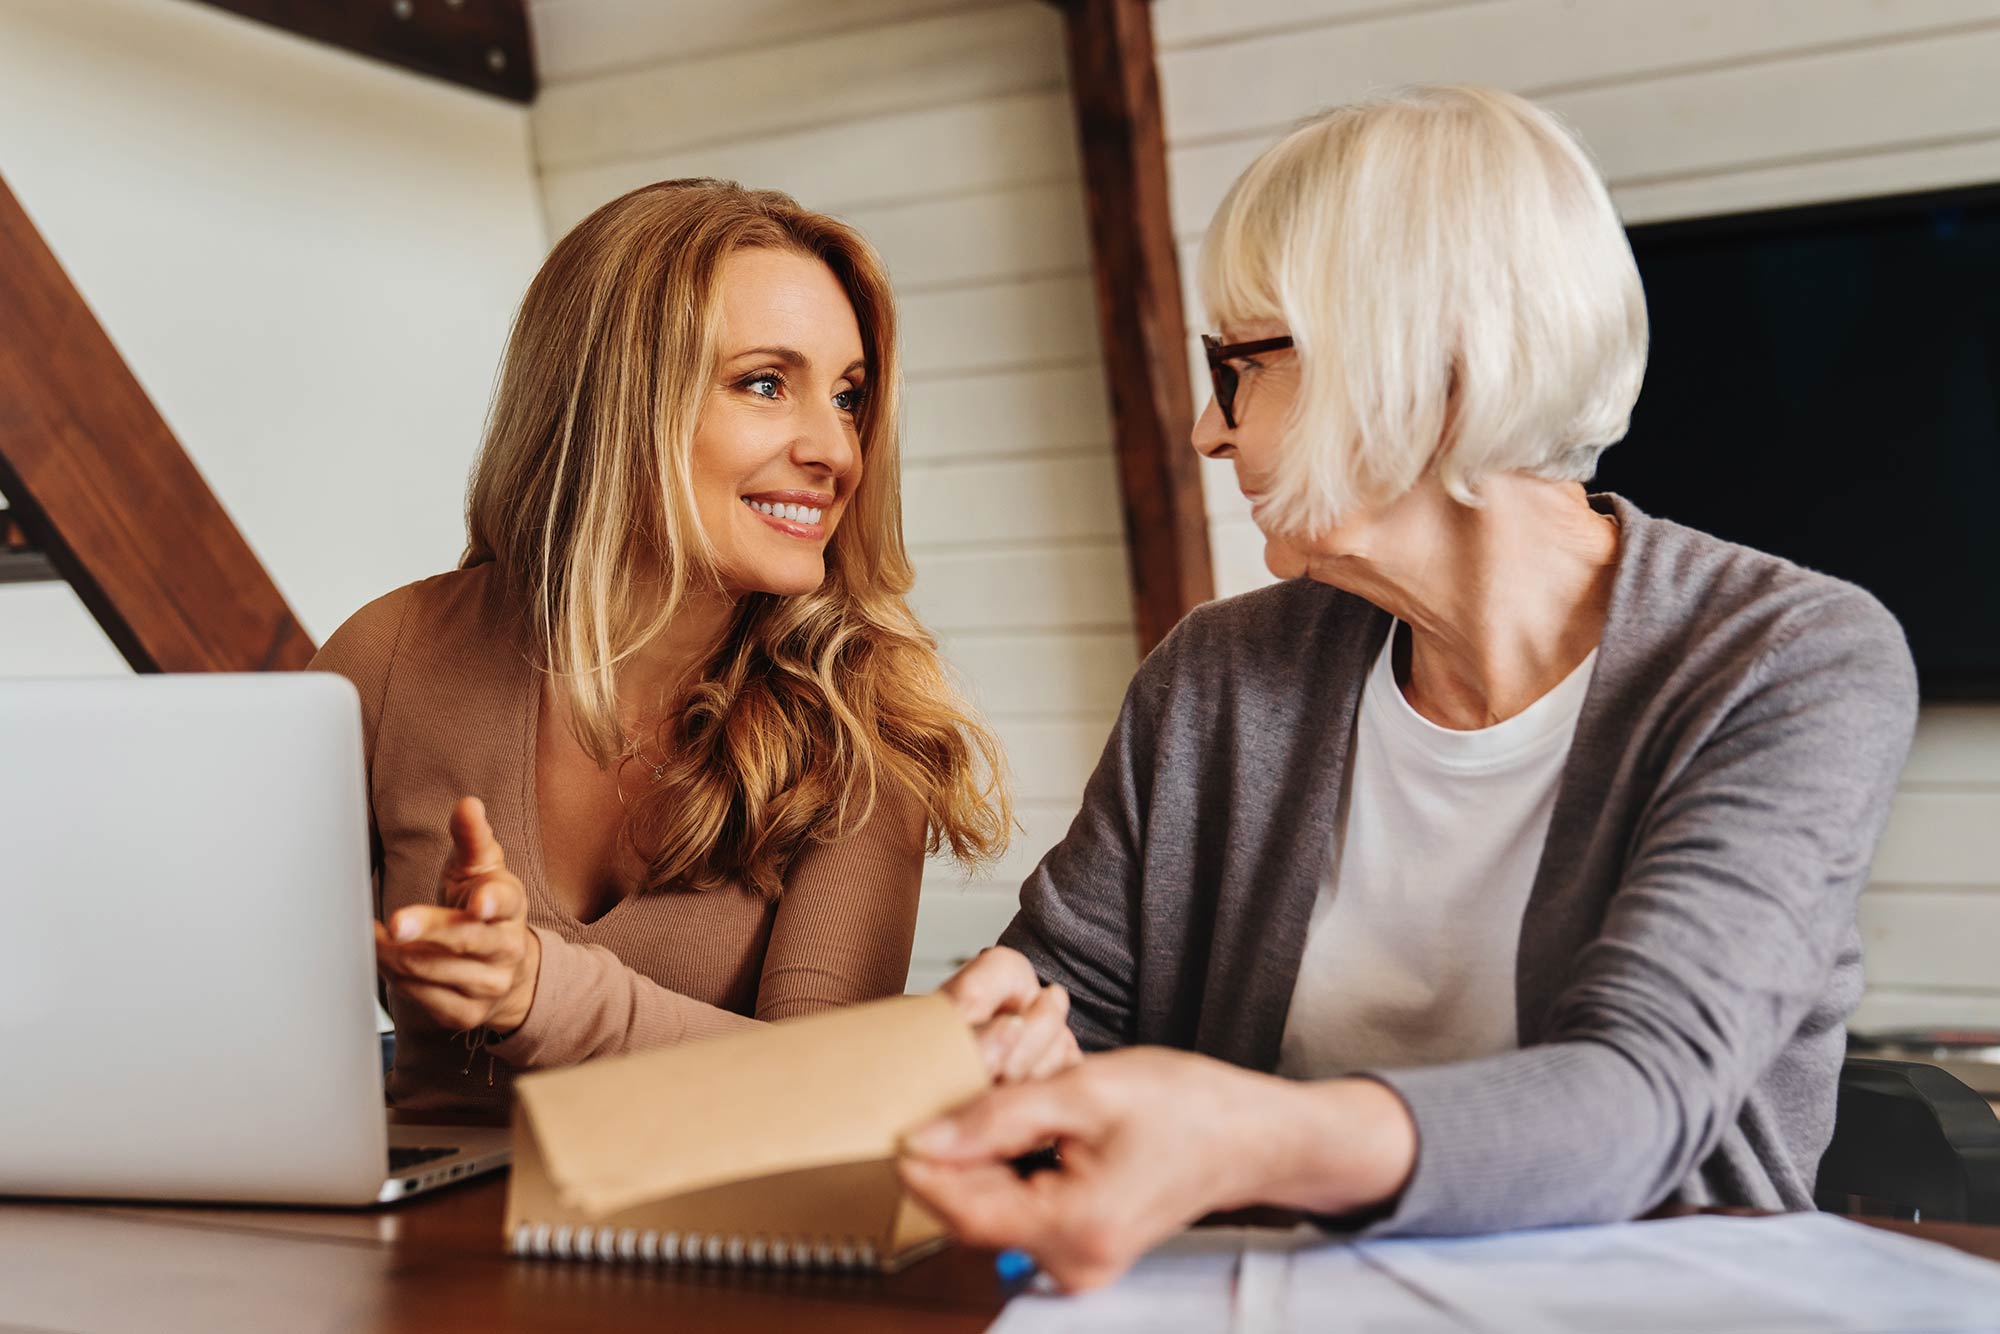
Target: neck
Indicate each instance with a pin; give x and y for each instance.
(649, 680)
(1503, 600)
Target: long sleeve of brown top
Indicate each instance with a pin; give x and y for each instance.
(449, 708)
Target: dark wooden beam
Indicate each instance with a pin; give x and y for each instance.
(21, 561)
(1116, 89)
(482, 44)
(97, 481)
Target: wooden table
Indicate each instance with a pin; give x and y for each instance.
(434, 1263)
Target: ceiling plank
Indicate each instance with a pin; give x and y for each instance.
(1116, 89)
(97, 481)
(479, 44)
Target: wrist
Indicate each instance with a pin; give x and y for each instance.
(512, 1012)
(1335, 1146)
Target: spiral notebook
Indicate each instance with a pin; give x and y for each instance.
(773, 1147)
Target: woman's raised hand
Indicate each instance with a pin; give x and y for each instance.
(1022, 1026)
(471, 961)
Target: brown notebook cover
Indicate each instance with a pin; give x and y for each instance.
(774, 1147)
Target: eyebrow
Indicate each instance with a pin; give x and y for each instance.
(794, 358)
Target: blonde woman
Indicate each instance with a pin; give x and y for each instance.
(663, 758)
(1498, 868)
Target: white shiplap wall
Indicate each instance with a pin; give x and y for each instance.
(942, 129)
(1691, 107)
(308, 260)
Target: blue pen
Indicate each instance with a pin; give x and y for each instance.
(1013, 1266)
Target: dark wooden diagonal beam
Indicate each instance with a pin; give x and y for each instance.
(480, 44)
(96, 481)
(21, 561)
(1116, 89)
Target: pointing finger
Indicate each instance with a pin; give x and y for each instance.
(474, 850)
(985, 1204)
(1012, 1120)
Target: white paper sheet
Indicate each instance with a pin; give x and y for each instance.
(1186, 1283)
(1795, 1274)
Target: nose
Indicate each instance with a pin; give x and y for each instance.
(1211, 433)
(827, 444)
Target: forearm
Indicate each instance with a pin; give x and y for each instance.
(588, 1003)
(1330, 1147)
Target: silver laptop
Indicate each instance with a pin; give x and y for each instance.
(187, 970)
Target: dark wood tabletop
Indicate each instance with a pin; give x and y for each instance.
(431, 1263)
(435, 1263)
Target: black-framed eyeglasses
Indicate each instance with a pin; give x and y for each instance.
(1220, 354)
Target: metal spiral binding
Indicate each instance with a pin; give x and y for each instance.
(565, 1241)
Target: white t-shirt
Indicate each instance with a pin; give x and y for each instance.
(1410, 953)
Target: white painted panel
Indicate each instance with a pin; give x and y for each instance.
(1957, 743)
(1043, 824)
(953, 924)
(1772, 113)
(1081, 587)
(1932, 938)
(1847, 176)
(1533, 46)
(1050, 320)
(308, 260)
(1940, 838)
(925, 975)
(1051, 760)
(1013, 500)
(1081, 674)
(1768, 114)
(939, 151)
(574, 38)
(1192, 310)
(46, 631)
(927, 62)
(1180, 23)
(1891, 1008)
(1198, 177)
(1010, 412)
(1236, 549)
(1027, 232)
(957, 917)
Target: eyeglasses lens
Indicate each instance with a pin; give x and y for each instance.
(1224, 376)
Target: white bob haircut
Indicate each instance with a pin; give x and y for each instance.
(1460, 293)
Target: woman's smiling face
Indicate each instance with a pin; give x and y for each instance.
(777, 449)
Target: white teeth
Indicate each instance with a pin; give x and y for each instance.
(789, 513)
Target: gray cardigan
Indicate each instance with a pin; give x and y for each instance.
(1689, 953)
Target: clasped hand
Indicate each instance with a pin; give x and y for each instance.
(1022, 1026)
(1150, 1139)
(470, 961)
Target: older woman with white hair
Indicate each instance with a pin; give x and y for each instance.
(1497, 868)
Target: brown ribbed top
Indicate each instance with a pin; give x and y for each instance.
(450, 704)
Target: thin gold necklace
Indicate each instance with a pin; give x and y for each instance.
(636, 753)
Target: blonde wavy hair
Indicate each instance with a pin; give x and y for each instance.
(585, 477)
(1459, 288)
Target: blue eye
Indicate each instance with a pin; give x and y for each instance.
(777, 385)
(850, 400)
